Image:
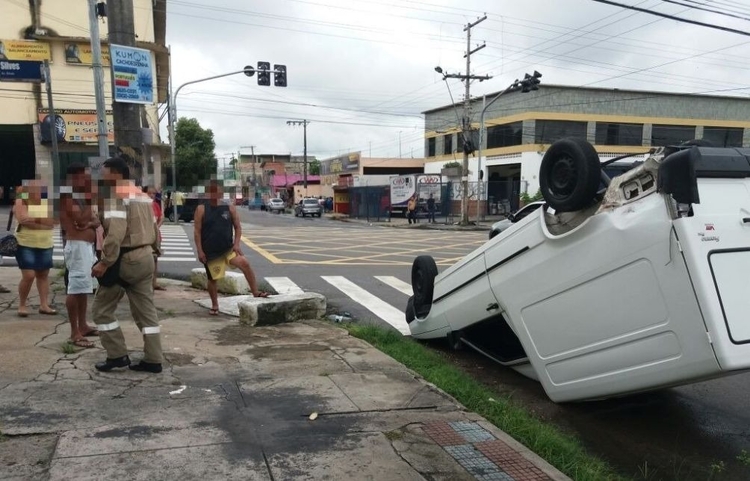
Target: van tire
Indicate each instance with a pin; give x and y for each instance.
(423, 273)
(570, 175)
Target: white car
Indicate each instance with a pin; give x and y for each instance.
(607, 292)
(275, 205)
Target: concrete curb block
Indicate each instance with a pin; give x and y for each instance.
(233, 283)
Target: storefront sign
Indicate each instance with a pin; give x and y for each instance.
(132, 73)
(20, 71)
(24, 50)
(75, 126)
(344, 164)
(81, 54)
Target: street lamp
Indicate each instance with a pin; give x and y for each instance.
(248, 70)
(529, 83)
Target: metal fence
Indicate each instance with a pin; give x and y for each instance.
(494, 198)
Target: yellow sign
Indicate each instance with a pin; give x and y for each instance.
(81, 54)
(75, 126)
(24, 50)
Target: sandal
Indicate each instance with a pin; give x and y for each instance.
(261, 294)
(213, 312)
(51, 312)
(84, 343)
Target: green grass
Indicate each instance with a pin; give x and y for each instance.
(68, 348)
(744, 458)
(562, 450)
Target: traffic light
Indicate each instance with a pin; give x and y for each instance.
(279, 75)
(531, 82)
(264, 74)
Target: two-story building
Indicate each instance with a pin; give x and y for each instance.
(519, 127)
(34, 31)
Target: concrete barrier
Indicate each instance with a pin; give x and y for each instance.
(233, 283)
(280, 309)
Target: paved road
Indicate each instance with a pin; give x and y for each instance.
(365, 270)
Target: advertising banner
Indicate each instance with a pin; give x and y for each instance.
(81, 54)
(74, 126)
(24, 50)
(20, 71)
(132, 73)
(344, 164)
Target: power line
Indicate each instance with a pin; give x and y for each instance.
(701, 7)
(672, 17)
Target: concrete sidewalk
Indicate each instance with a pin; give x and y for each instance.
(301, 401)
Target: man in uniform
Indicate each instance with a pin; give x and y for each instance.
(127, 264)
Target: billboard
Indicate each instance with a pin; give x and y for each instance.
(74, 126)
(132, 74)
(24, 50)
(79, 53)
(344, 164)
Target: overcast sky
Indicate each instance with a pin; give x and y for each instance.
(365, 68)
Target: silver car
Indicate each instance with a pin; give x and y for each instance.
(275, 205)
(308, 207)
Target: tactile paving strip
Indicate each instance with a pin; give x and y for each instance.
(481, 454)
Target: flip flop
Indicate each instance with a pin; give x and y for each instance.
(261, 294)
(4, 290)
(84, 343)
(160, 288)
(51, 312)
(213, 312)
(91, 333)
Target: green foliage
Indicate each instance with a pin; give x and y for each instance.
(313, 167)
(452, 164)
(526, 198)
(196, 160)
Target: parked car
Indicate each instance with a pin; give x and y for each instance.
(309, 206)
(607, 292)
(518, 215)
(186, 210)
(275, 205)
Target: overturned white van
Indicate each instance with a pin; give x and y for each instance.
(602, 292)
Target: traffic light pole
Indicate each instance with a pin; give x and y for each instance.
(303, 123)
(173, 122)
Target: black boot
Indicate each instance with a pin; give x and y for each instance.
(110, 364)
(144, 366)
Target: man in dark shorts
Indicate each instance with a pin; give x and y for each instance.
(218, 234)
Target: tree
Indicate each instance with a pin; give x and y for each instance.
(313, 167)
(194, 148)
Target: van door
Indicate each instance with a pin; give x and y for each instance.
(716, 246)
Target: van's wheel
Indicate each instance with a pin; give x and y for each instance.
(423, 273)
(570, 175)
(410, 315)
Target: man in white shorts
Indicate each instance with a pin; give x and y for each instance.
(78, 224)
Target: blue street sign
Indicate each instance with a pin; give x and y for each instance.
(20, 71)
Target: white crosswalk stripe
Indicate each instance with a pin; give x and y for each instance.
(175, 245)
(374, 304)
(396, 283)
(284, 285)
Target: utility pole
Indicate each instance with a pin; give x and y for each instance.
(96, 51)
(466, 121)
(52, 125)
(303, 123)
(399, 144)
(127, 116)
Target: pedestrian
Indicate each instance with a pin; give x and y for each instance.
(411, 208)
(159, 216)
(178, 198)
(218, 234)
(35, 221)
(431, 209)
(78, 225)
(127, 265)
